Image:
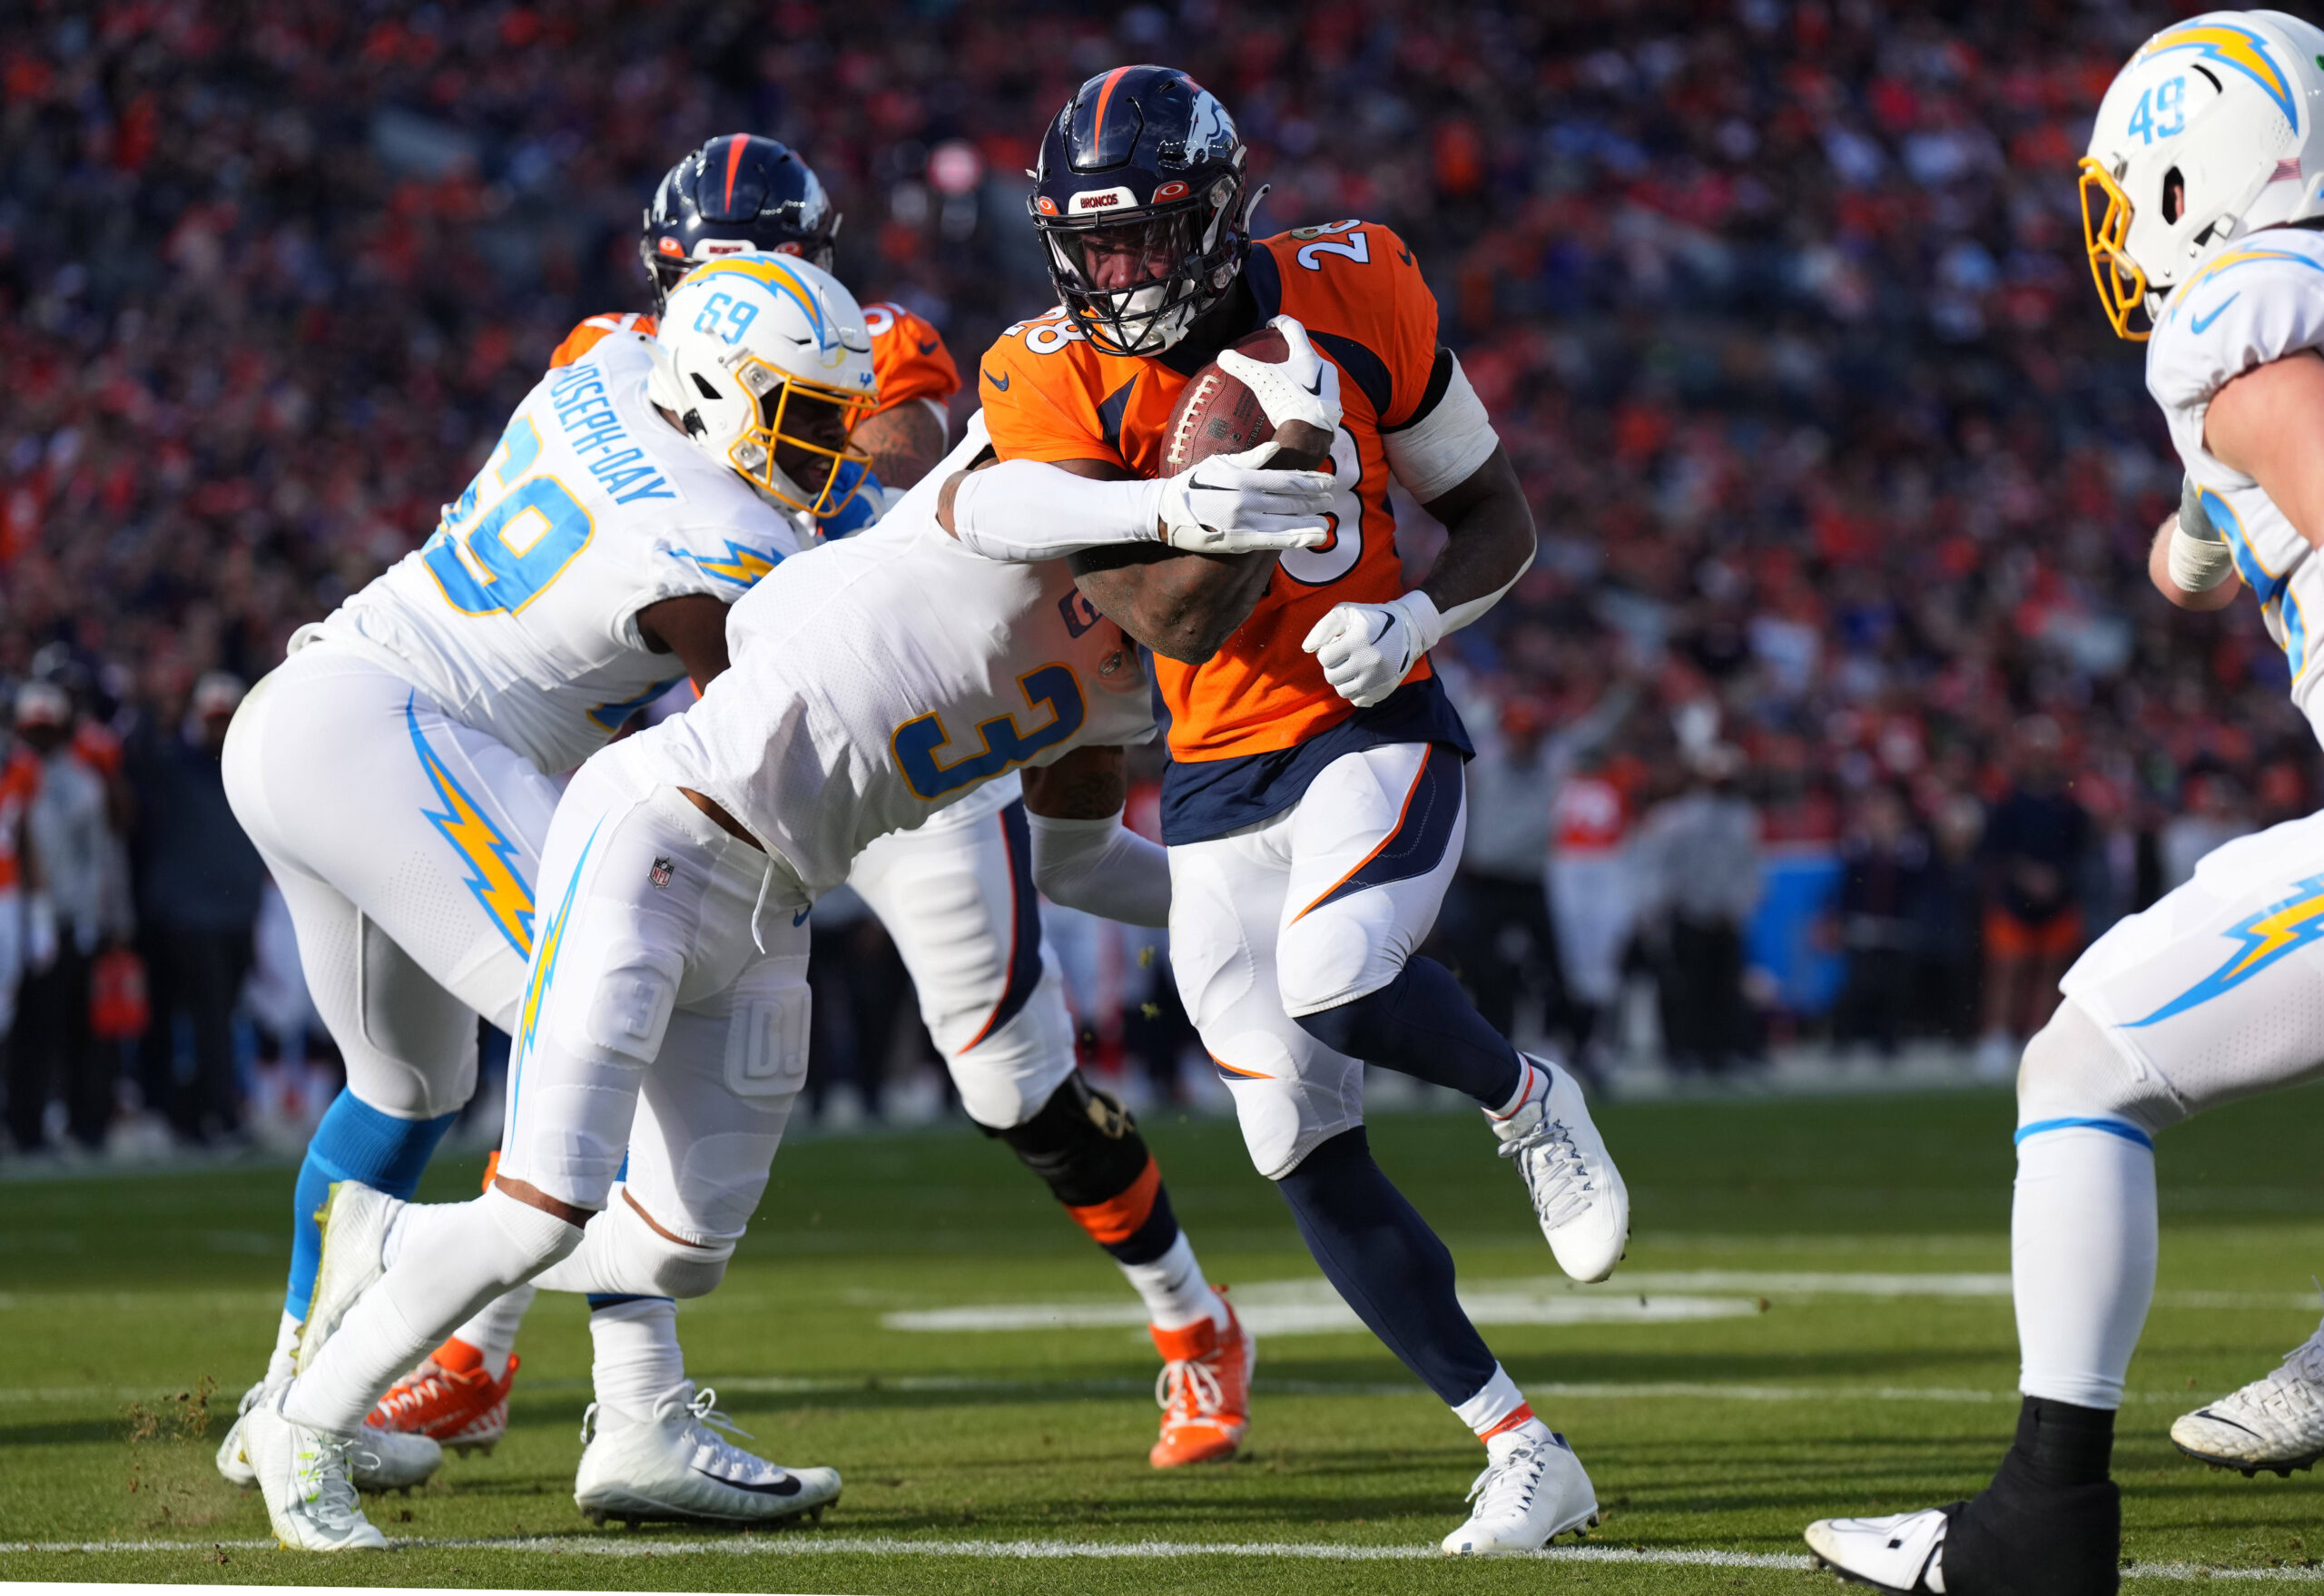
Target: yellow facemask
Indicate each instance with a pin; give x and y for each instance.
(753, 453)
(2105, 230)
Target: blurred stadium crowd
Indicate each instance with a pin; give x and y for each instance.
(1838, 668)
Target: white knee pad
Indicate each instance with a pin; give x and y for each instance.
(2072, 1072)
(622, 1255)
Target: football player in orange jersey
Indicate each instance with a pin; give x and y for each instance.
(1314, 803)
(957, 895)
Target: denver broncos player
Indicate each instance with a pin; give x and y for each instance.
(1314, 802)
(2203, 194)
(396, 770)
(956, 894)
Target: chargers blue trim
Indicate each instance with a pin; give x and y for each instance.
(355, 1141)
(606, 1299)
(2128, 1132)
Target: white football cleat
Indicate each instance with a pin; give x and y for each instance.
(1902, 1554)
(308, 1480)
(1578, 1193)
(381, 1461)
(673, 1468)
(355, 1220)
(233, 1467)
(2276, 1423)
(1532, 1491)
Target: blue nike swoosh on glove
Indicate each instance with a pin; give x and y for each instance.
(2203, 323)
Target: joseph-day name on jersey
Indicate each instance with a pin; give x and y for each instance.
(520, 616)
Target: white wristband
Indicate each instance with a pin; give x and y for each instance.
(2198, 565)
(1101, 867)
(1029, 511)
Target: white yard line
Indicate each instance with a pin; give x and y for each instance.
(811, 1543)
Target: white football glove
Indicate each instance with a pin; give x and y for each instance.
(1366, 650)
(1305, 386)
(1229, 504)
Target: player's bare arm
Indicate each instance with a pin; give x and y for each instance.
(2269, 424)
(1490, 538)
(693, 626)
(1088, 783)
(904, 442)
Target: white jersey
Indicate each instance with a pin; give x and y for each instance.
(2260, 300)
(519, 616)
(881, 678)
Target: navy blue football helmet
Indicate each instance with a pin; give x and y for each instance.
(737, 192)
(1142, 205)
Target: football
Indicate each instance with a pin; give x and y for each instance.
(1217, 414)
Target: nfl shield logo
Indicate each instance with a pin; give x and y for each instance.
(660, 874)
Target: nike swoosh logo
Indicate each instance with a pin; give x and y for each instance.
(930, 348)
(1316, 387)
(800, 919)
(1001, 382)
(2203, 323)
(1405, 256)
(786, 1486)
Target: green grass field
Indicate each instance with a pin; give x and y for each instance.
(1804, 1389)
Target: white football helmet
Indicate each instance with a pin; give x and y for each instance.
(765, 361)
(2209, 135)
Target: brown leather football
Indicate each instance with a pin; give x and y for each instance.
(1216, 415)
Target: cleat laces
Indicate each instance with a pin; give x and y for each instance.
(1505, 1490)
(1190, 1385)
(2288, 1395)
(1562, 1189)
(324, 1479)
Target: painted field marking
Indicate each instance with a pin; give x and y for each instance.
(811, 1543)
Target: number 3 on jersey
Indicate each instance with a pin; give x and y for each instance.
(498, 562)
(921, 744)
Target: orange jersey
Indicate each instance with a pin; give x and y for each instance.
(19, 785)
(1048, 395)
(908, 356)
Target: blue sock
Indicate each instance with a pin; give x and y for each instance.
(1421, 1024)
(355, 1141)
(1380, 1256)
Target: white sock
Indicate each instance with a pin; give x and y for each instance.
(638, 1366)
(1493, 1405)
(2082, 1252)
(447, 1260)
(1174, 1290)
(492, 1329)
(286, 1344)
(1527, 1077)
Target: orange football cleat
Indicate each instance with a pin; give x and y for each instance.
(1205, 1390)
(461, 1412)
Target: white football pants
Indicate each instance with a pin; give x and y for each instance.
(658, 1022)
(957, 896)
(1300, 912)
(405, 845)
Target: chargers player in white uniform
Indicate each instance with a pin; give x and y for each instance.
(664, 1023)
(2203, 199)
(955, 894)
(394, 771)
